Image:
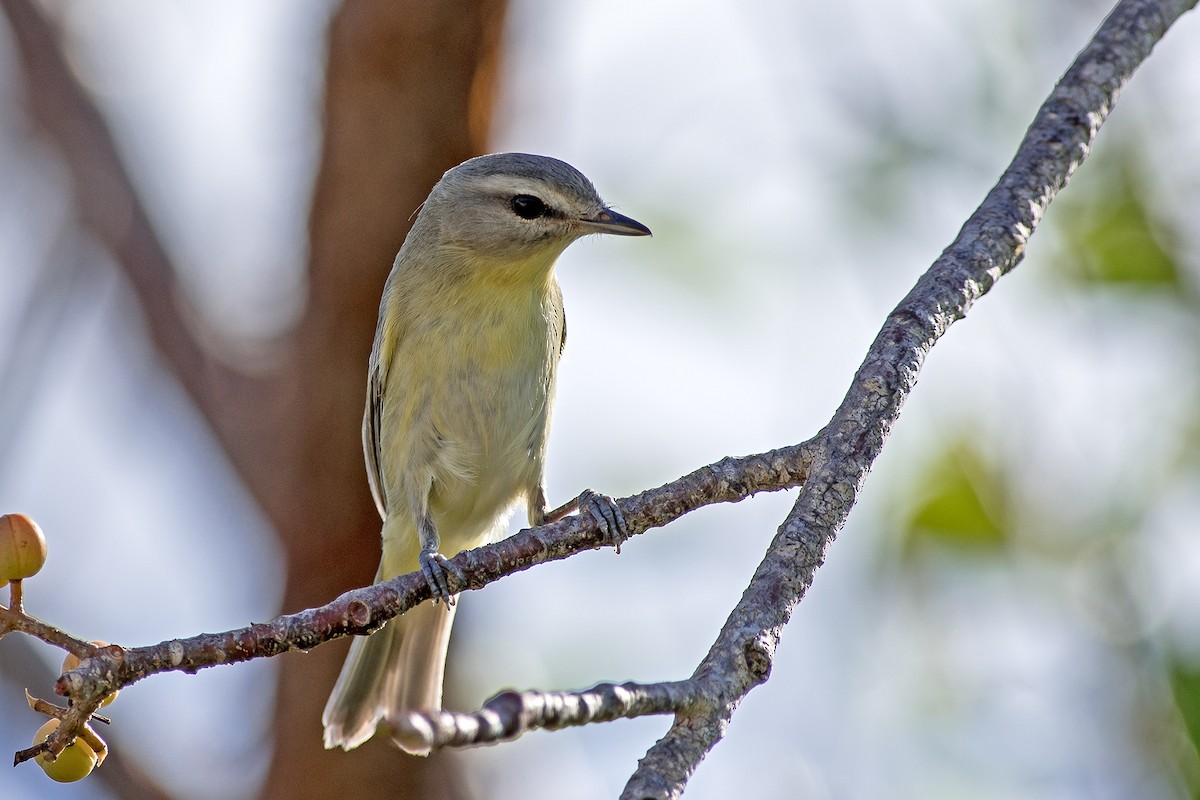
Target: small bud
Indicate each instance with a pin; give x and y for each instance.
(22, 547)
(74, 763)
(72, 661)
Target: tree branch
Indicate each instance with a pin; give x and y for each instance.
(832, 467)
(362, 611)
(120, 777)
(14, 619)
(990, 244)
(510, 714)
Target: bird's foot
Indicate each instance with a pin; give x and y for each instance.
(608, 516)
(436, 568)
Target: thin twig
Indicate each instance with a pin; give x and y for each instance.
(16, 619)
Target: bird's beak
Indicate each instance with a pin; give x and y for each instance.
(609, 221)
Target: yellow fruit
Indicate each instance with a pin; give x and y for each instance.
(74, 763)
(22, 547)
(72, 661)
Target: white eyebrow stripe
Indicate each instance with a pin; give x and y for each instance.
(511, 185)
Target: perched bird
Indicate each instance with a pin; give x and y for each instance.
(459, 397)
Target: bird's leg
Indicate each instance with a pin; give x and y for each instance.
(434, 565)
(603, 509)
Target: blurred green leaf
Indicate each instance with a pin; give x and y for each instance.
(1185, 690)
(1185, 687)
(962, 503)
(1113, 235)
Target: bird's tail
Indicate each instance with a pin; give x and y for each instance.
(397, 669)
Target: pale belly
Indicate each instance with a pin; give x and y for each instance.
(491, 457)
(468, 443)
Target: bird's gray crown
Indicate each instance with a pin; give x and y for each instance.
(523, 167)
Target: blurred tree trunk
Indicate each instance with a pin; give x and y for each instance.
(409, 92)
(408, 95)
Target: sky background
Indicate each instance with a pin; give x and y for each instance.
(800, 164)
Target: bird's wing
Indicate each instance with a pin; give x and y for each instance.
(373, 414)
(370, 435)
(562, 318)
(562, 341)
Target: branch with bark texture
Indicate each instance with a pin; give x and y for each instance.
(362, 611)
(989, 245)
(832, 468)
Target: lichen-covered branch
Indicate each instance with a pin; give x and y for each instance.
(511, 714)
(990, 244)
(364, 610)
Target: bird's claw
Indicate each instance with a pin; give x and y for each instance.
(436, 567)
(608, 516)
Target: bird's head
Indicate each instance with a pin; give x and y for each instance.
(517, 208)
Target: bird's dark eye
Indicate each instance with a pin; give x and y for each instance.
(526, 206)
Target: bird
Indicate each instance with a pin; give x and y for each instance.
(460, 390)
